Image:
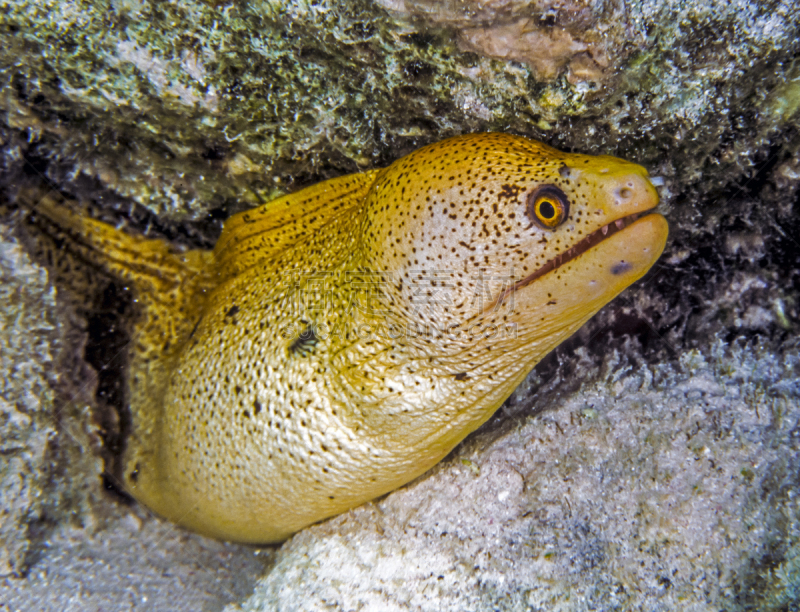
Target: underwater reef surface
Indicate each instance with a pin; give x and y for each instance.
(650, 462)
(653, 487)
(192, 106)
(28, 340)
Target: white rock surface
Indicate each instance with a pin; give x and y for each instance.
(659, 489)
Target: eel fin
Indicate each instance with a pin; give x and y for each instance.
(254, 235)
(70, 243)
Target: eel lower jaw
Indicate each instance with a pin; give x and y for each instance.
(589, 242)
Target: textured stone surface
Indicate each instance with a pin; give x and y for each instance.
(659, 487)
(29, 338)
(133, 563)
(582, 37)
(190, 106)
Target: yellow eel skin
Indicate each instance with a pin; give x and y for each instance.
(340, 341)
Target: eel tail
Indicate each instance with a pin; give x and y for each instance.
(151, 292)
(84, 254)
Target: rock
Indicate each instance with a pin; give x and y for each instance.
(156, 568)
(29, 340)
(681, 493)
(191, 107)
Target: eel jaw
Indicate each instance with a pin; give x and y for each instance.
(589, 242)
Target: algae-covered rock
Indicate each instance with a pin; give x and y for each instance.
(185, 107)
(651, 461)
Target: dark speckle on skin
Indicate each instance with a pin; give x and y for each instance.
(305, 342)
(194, 329)
(509, 191)
(620, 268)
(234, 310)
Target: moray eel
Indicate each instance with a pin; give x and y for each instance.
(340, 341)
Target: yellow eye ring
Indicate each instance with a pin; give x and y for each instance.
(548, 206)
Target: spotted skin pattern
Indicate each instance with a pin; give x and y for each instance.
(340, 341)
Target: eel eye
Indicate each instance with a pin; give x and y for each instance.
(548, 206)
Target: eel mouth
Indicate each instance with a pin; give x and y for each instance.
(589, 242)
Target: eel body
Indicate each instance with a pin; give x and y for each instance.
(340, 341)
